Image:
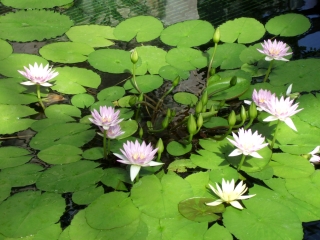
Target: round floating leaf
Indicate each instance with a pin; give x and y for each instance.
(111, 60)
(115, 178)
(111, 93)
(309, 103)
(63, 112)
(70, 177)
(246, 30)
(6, 49)
(118, 204)
(26, 213)
(288, 25)
(209, 160)
(73, 80)
(186, 58)
(216, 122)
(93, 35)
(169, 72)
(27, 4)
(187, 34)
(88, 195)
(82, 100)
(9, 66)
(66, 52)
(93, 153)
(181, 165)
(129, 127)
(30, 25)
(146, 83)
(10, 95)
(177, 149)
(11, 119)
(22, 175)
(217, 230)
(39, 125)
(195, 209)
(145, 28)
(251, 55)
(60, 154)
(75, 134)
(13, 156)
(185, 98)
(5, 189)
(215, 175)
(199, 182)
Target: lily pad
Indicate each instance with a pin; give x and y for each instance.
(70, 177)
(146, 83)
(209, 160)
(245, 30)
(144, 28)
(93, 153)
(111, 93)
(115, 178)
(73, 80)
(92, 35)
(66, 52)
(288, 25)
(309, 103)
(169, 72)
(82, 100)
(27, 4)
(5, 189)
(177, 149)
(13, 156)
(60, 154)
(185, 98)
(6, 49)
(181, 165)
(88, 195)
(24, 26)
(63, 111)
(129, 127)
(188, 33)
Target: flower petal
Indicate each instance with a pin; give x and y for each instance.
(236, 204)
(290, 123)
(134, 170)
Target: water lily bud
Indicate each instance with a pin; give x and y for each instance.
(233, 81)
(200, 121)
(204, 108)
(198, 107)
(134, 56)
(176, 81)
(243, 114)
(173, 113)
(160, 146)
(212, 72)
(192, 126)
(232, 119)
(168, 113)
(204, 97)
(165, 122)
(141, 132)
(253, 111)
(140, 97)
(212, 109)
(132, 101)
(216, 36)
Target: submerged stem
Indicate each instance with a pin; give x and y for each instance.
(268, 71)
(39, 97)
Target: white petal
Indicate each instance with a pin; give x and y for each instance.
(247, 102)
(314, 151)
(215, 203)
(134, 170)
(153, 163)
(235, 152)
(28, 83)
(270, 119)
(289, 90)
(46, 84)
(255, 155)
(236, 204)
(246, 196)
(290, 123)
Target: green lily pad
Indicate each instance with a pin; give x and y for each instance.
(70, 177)
(195, 209)
(177, 149)
(6, 49)
(82, 100)
(216, 122)
(24, 26)
(251, 55)
(215, 175)
(28, 212)
(288, 25)
(12, 120)
(188, 33)
(115, 178)
(60, 154)
(63, 112)
(11, 92)
(73, 80)
(13, 156)
(186, 58)
(39, 125)
(199, 182)
(171, 73)
(217, 230)
(27, 4)
(66, 52)
(185, 98)
(92, 35)
(129, 127)
(309, 103)
(9, 66)
(146, 83)
(209, 160)
(111, 93)
(75, 134)
(111, 60)
(118, 204)
(144, 28)
(181, 165)
(93, 153)
(245, 30)
(88, 195)
(5, 189)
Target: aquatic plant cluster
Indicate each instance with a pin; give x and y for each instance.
(235, 158)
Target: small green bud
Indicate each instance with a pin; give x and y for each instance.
(253, 111)
(204, 97)
(173, 113)
(132, 101)
(192, 126)
(141, 132)
(176, 81)
(140, 97)
(216, 36)
(160, 146)
(204, 108)
(243, 113)
(200, 121)
(198, 107)
(232, 119)
(165, 122)
(233, 81)
(168, 113)
(134, 56)
(212, 109)
(212, 72)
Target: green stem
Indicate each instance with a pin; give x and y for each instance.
(268, 71)
(159, 103)
(274, 135)
(133, 79)
(39, 97)
(105, 153)
(211, 61)
(241, 162)
(108, 147)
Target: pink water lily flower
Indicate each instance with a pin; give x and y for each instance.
(274, 50)
(315, 158)
(229, 193)
(106, 117)
(38, 75)
(137, 156)
(113, 131)
(281, 109)
(260, 98)
(247, 143)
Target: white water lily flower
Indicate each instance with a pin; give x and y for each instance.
(315, 158)
(260, 98)
(247, 143)
(275, 50)
(229, 193)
